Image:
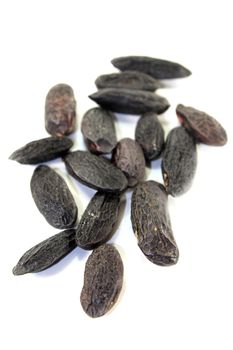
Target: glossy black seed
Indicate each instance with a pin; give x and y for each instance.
(157, 68)
(150, 135)
(99, 130)
(201, 126)
(151, 224)
(42, 150)
(179, 161)
(103, 279)
(46, 253)
(127, 80)
(97, 223)
(95, 172)
(60, 110)
(130, 101)
(53, 198)
(129, 157)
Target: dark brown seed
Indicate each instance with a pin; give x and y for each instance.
(95, 172)
(103, 279)
(203, 127)
(150, 135)
(179, 161)
(43, 150)
(98, 221)
(46, 253)
(60, 110)
(151, 224)
(53, 198)
(130, 101)
(129, 157)
(127, 80)
(157, 68)
(99, 130)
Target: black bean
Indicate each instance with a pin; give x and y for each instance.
(103, 279)
(53, 198)
(151, 224)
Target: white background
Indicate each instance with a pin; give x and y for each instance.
(187, 306)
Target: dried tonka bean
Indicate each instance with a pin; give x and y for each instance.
(201, 126)
(98, 221)
(179, 161)
(60, 110)
(103, 279)
(129, 157)
(46, 253)
(95, 172)
(127, 80)
(157, 68)
(53, 198)
(151, 224)
(130, 101)
(99, 130)
(150, 135)
(42, 150)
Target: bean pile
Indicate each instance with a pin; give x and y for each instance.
(130, 91)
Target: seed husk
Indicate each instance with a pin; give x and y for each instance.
(179, 161)
(201, 126)
(95, 172)
(103, 280)
(150, 135)
(130, 101)
(127, 80)
(60, 110)
(157, 68)
(129, 157)
(46, 253)
(53, 198)
(97, 223)
(42, 150)
(99, 130)
(151, 224)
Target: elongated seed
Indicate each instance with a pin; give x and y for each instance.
(157, 68)
(60, 110)
(53, 198)
(99, 130)
(130, 101)
(151, 224)
(42, 150)
(150, 135)
(95, 172)
(98, 221)
(179, 161)
(127, 80)
(46, 253)
(103, 279)
(201, 126)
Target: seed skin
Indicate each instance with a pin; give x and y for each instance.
(128, 156)
(201, 126)
(60, 110)
(46, 253)
(151, 224)
(103, 280)
(42, 150)
(157, 68)
(98, 221)
(150, 135)
(130, 101)
(99, 130)
(179, 161)
(127, 80)
(53, 198)
(95, 172)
